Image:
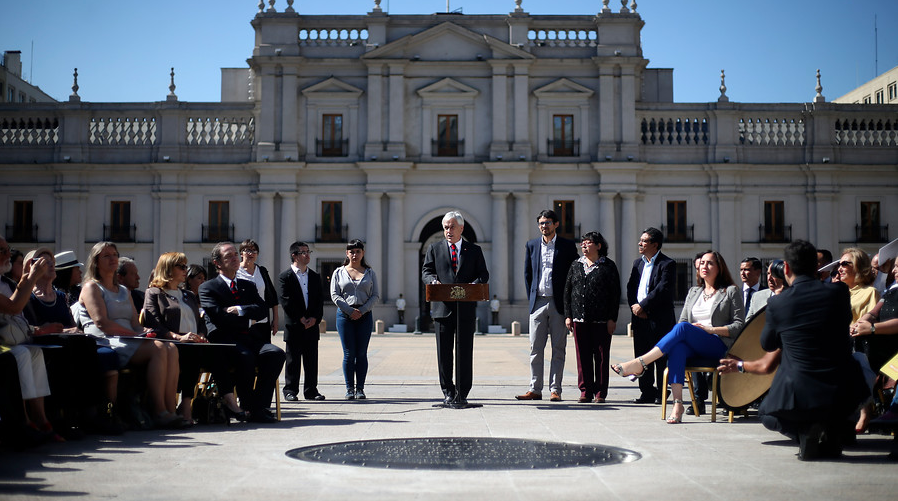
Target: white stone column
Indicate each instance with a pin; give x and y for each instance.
(500, 108)
(374, 237)
(629, 230)
(374, 100)
(628, 106)
(521, 105)
(500, 255)
(289, 135)
(522, 225)
(265, 224)
(395, 265)
(607, 221)
(397, 103)
(289, 232)
(606, 110)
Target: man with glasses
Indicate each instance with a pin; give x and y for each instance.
(301, 296)
(546, 265)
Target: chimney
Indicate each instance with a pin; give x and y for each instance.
(13, 61)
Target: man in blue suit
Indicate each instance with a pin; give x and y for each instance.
(546, 265)
(650, 294)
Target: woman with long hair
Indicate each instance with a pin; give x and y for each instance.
(354, 291)
(109, 314)
(713, 316)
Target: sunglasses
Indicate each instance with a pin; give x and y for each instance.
(182, 266)
(846, 264)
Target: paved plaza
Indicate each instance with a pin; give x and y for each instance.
(693, 460)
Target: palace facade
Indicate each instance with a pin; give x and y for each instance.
(373, 126)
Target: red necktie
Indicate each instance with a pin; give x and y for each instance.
(454, 258)
(234, 291)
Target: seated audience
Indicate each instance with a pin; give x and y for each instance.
(173, 313)
(32, 372)
(109, 314)
(68, 276)
(712, 318)
(819, 385)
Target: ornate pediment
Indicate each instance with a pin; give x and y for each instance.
(448, 42)
(332, 88)
(563, 89)
(448, 88)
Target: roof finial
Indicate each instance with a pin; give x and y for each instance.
(261, 6)
(271, 6)
(623, 7)
(633, 6)
(377, 6)
(605, 8)
(819, 97)
(289, 6)
(171, 95)
(75, 96)
(517, 6)
(723, 89)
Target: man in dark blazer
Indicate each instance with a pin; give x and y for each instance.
(300, 295)
(454, 261)
(546, 264)
(819, 384)
(650, 294)
(230, 304)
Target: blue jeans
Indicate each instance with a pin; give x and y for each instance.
(355, 335)
(686, 340)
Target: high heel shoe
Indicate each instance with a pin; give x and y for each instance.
(619, 370)
(675, 418)
(239, 416)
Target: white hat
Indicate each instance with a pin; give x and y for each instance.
(888, 251)
(828, 268)
(66, 259)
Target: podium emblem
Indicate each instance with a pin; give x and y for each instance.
(458, 293)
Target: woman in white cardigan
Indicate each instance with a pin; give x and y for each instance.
(713, 316)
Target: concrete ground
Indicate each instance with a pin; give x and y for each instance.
(692, 460)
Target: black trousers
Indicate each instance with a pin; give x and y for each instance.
(445, 329)
(194, 357)
(246, 359)
(302, 353)
(645, 336)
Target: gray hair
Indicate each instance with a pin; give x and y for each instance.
(454, 214)
(123, 263)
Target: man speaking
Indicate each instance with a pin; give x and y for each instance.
(454, 261)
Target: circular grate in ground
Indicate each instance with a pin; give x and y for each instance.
(464, 453)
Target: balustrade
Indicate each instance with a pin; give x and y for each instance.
(332, 37)
(674, 131)
(561, 37)
(771, 131)
(878, 131)
(38, 131)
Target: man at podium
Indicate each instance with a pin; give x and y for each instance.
(454, 261)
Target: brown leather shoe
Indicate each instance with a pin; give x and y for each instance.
(555, 397)
(529, 396)
(599, 400)
(583, 399)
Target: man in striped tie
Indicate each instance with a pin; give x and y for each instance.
(454, 261)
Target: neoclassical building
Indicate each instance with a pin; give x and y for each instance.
(373, 126)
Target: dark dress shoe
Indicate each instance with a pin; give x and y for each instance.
(317, 396)
(701, 409)
(657, 400)
(809, 443)
(290, 397)
(261, 416)
(644, 399)
(460, 403)
(239, 416)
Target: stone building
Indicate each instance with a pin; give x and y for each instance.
(13, 88)
(373, 126)
(883, 89)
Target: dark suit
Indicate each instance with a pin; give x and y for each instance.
(471, 269)
(223, 327)
(302, 343)
(547, 320)
(818, 380)
(658, 306)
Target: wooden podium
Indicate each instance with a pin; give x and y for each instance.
(457, 293)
